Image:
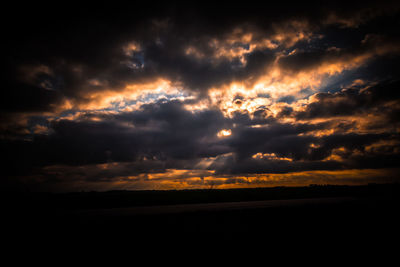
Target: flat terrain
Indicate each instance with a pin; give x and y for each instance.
(363, 216)
(207, 207)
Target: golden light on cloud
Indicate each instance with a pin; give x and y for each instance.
(263, 91)
(138, 91)
(179, 174)
(224, 133)
(242, 41)
(237, 98)
(269, 156)
(131, 48)
(199, 179)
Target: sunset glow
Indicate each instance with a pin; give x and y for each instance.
(181, 99)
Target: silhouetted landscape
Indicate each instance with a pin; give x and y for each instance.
(317, 212)
(126, 198)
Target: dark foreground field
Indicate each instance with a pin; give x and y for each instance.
(317, 216)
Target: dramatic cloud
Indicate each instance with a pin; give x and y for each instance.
(176, 96)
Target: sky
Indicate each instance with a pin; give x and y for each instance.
(194, 95)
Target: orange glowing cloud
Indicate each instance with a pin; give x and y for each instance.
(244, 40)
(103, 99)
(276, 81)
(167, 181)
(131, 48)
(269, 156)
(224, 133)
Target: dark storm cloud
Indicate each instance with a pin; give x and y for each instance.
(354, 101)
(164, 136)
(165, 132)
(292, 141)
(249, 141)
(203, 74)
(251, 166)
(367, 48)
(159, 132)
(288, 152)
(90, 39)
